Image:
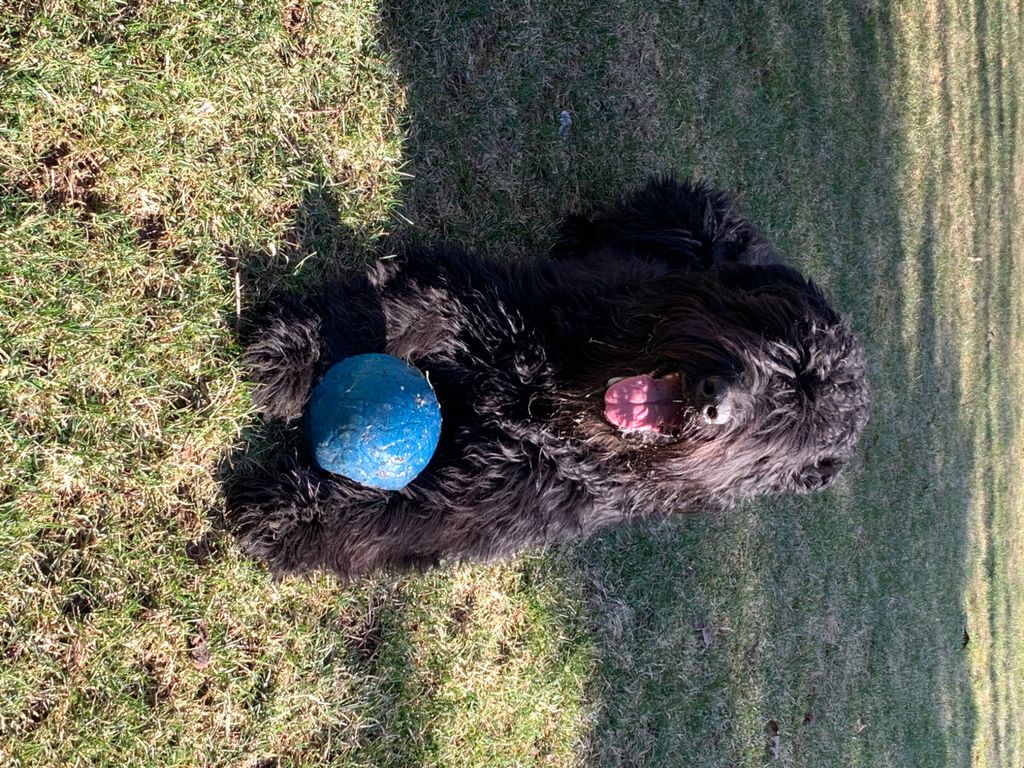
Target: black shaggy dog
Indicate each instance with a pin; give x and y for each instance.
(659, 361)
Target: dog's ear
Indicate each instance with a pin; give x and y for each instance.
(817, 475)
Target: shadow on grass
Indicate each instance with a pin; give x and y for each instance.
(822, 630)
(833, 623)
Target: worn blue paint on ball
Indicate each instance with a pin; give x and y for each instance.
(374, 419)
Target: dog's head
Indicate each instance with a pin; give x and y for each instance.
(744, 381)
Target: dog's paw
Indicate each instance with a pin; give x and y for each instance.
(275, 514)
(282, 358)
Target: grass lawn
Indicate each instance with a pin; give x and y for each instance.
(163, 165)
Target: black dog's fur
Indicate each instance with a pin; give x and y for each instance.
(671, 279)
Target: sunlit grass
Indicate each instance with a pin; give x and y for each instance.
(963, 199)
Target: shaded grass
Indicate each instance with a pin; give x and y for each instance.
(162, 167)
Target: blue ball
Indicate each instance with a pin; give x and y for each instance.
(374, 419)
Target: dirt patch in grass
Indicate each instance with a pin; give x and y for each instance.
(199, 647)
(295, 17)
(66, 178)
(206, 548)
(152, 231)
(77, 607)
(461, 613)
(35, 716)
(156, 682)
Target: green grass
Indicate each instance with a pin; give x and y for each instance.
(164, 165)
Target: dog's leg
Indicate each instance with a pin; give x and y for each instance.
(298, 337)
(407, 312)
(299, 520)
(275, 512)
(686, 225)
(282, 357)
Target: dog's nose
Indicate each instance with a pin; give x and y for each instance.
(717, 414)
(714, 401)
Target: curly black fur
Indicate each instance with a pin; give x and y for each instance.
(670, 281)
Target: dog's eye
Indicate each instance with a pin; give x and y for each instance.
(708, 387)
